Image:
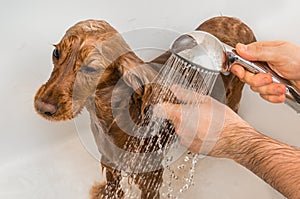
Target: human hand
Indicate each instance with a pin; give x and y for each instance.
(200, 122)
(283, 57)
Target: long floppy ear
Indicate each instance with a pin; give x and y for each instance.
(135, 72)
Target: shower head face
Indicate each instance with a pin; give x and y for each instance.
(202, 50)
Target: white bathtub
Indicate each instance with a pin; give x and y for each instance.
(41, 159)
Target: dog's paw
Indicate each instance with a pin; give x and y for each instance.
(104, 191)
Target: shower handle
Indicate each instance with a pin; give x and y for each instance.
(261, 67)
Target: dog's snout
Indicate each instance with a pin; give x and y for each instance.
(45, 108)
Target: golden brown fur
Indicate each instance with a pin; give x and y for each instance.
(96, 69)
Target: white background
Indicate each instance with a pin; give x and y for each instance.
(41, 159)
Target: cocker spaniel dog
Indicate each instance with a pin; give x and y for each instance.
(95, 68)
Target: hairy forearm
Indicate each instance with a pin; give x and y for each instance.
(276, 163)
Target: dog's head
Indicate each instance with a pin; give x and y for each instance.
(91, 56)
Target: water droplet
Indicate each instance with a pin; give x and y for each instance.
(182, 166)
(186, 158)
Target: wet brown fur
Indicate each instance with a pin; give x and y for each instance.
(93, 59)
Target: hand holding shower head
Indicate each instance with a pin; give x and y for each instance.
(204, 52)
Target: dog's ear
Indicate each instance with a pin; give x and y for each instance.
(135, 72)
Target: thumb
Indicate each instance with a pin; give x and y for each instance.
(259, 51)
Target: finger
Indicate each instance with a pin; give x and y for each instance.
(238, 70)
(274, 98)
(241, 73)
(256, 80)
(186, 95)
(270, 89)
(260, 51)
(168, 111)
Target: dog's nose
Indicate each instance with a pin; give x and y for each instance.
(45, 108)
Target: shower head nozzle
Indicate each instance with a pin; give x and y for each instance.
(202, 50)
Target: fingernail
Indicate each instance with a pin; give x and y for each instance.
(242, 47)
(282, 98)
(266, 80)
(236, 71)
(280, 90)
(233, 69)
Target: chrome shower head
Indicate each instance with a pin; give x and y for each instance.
(204, 52)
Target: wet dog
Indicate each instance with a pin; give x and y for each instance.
(95, 68)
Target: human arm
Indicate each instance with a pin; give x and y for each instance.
(283, 57)
(276, 163)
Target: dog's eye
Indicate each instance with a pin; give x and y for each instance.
(56, 53)
(88, 69)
